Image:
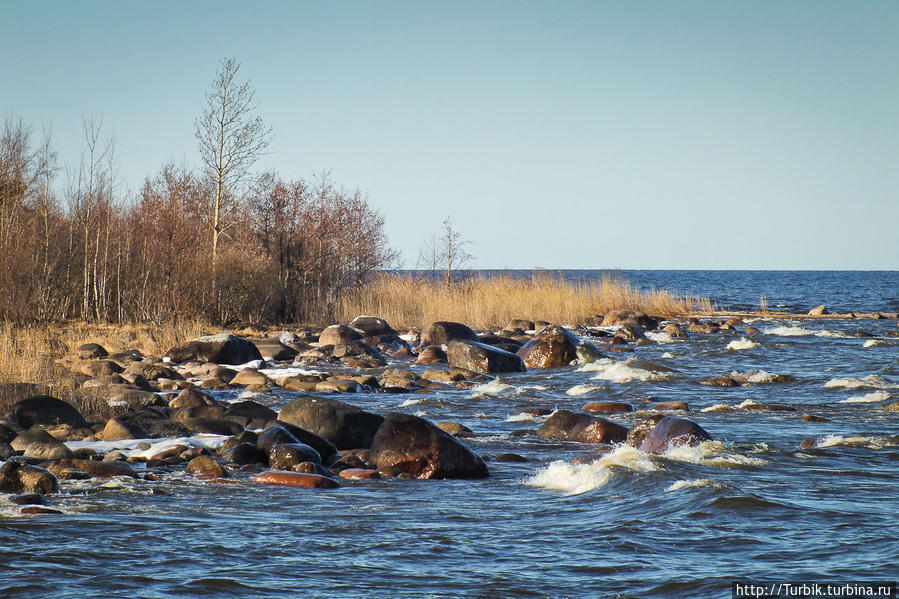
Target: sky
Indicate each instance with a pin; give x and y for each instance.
(661, 135)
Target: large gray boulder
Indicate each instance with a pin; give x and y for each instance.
(220, 349)
(344, 425)
(481, 357)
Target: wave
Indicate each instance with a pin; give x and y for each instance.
(659, 337)
(793, 331)
(866, 442)
(525, 417)
(494, 387)
(623, 372)
(869, 398)
(874, 343)
(582, 390)
(688, 484)
(574, 479)
(872, 381)
(742, 343)
(712, 453)
(130, 447)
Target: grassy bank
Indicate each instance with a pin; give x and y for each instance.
(483, 302)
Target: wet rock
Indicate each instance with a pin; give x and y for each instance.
(141, 424)
(587, 353)
(249, 377)
(674, 331)
(510, 457)
(819, 311)
(442, 332)
(811, 418)
(325, 448)
(249, 413)
(35, 510)
(295, 479)
(6, 451)
(372, 326)
(807, 444)
(553, 347)
(608, 407)
(641, 429)
(432, 354)
(27, 499)
(18, 477)
(752, 331)
(482, 358)
(212, 426)
(206, 467)
(630, 317)
(673, 432)
(338, 334)
(98, 469)
(344, 425)
(891, 407)
(420, 449)
(244, 453)
(220, 349)
(767, 407)
(456, 429)
(721, 381)
(338, 386)
(565, 425)
(630, 332)
(91, 351)
(46, 410)
(287, 455)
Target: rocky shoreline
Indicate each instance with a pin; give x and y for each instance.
(167, 418)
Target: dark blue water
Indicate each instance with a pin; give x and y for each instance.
(750, 505)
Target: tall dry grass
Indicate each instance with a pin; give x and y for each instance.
(491, 301)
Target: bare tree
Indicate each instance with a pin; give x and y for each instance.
(230, 140)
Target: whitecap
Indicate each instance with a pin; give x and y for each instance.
(255, 364)
(582, 390)
(525, 417)
(759, 376)
(410, 402)
(711, 453)
(688, 484)
(279, 374)
(658, 337)
(669, 355)
(622, 372)
(833, 334)
(494, 387)
(129, 447)
(718, 407)
(784, 331)
(742, 343)
(872, 381)
(574, 479)
(869, 398)
(874, 343)
(867, 442)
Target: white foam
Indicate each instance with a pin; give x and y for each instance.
(574, 479)
(411, 402)
(622, 372)
(494, 387)
(869, 398)
(689, 484)
(783, 331)
(711, 453)
(742, 343)
(582, 390)
(247, 395)
(658, 336)
(759, 376)
(867, 442)
(834, 334)
(872, 381)
(407, 337)
(278, 374)
(525, 417)
(669, 355)
(255, 364)
(874, 343)
(718, 407)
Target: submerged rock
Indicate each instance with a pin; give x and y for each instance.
(295, 479)
(420, 449)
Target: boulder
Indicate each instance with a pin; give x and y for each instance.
(272, 437)
(90, 351)
(324, 447)
(35, 434)
(274, 349)
(479, 357)
(641, 429)
(220, 349)
(46, 410)
(142, 424)
(565, 425)
(432, 354)
(338, 334)
(372, 326)
(55, 450)
(344, 425)
(251, 377)
(608, 407)
(520, 324)
(818, 311)
(249, 413)
(99, 368)
(670, 432)
(442, 332)
(417, 447)
(18, 477)
(152, 372)
(287, 455)
(192, 397)
(212, 426)
(338, 386)
(295, 479)
(206, 467)
(553, 347)
(244, 453)
(631, 317)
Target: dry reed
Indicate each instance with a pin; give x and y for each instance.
(491, 301)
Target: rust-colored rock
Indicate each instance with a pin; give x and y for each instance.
(553, 347)
(608, 407)
(670, 406)
(206, 467)
(565, 425)
(295, 479)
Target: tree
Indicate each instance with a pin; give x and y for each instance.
(230, 140)
(445, 250)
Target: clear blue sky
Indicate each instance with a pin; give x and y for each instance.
(556, 134)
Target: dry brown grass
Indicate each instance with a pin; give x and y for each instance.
(483, 302)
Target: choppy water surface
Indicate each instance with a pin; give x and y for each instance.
(751, 504)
